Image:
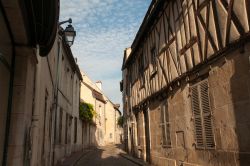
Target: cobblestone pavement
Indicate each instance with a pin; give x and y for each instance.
(105, 156)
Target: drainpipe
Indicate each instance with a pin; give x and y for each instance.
(11, 82)
(58, 66)
(35, 109)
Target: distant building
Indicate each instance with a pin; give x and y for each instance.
(105, 119)
(118, 129)
(186, 84)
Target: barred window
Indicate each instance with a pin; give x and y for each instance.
(66, 129)
(202, 116)
(75, 131)
(165, 126)
(60, 126)
(141, 69)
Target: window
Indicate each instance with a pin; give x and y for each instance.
(153, 59)
(75, 132)
(165, 125)
(110, 135)
(141, 69)
(202, 115)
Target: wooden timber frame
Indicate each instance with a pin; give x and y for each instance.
(189, 36)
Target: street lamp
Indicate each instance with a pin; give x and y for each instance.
(69, 33)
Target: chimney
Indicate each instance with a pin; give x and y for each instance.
(99, 84)
(127, 52)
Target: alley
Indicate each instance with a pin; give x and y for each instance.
(105, 156)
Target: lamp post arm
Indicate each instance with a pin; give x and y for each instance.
(63, 22)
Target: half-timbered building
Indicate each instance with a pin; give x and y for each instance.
(186, 84)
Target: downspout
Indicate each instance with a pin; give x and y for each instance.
(35, 109)
(11, 82)
(58, 66)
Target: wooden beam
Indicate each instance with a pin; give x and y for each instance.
(202, 5)
(207, 27)
(192, 41)
(229, 14)
(167, 45)
(207, 33)
(197, 30)
(176, 49)
(216, 22)
(185, 28)
(235, 19)
(247, 2)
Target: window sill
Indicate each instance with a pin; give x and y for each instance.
(166, 146)
(205, 148)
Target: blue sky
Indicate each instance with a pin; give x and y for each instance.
(104, 29)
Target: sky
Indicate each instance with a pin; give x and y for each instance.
(104, 28)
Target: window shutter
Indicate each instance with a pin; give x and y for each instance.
(207, 116)
(197, 116)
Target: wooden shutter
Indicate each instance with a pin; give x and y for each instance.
(197, 116)
(202, 115)
(207, 115)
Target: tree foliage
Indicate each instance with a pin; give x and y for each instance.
(120, 121)
(86, 111)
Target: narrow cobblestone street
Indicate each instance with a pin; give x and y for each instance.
(105, 156)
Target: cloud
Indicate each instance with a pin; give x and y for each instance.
(104, 29)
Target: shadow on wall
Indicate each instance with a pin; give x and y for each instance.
(88, 135)
(240, 91)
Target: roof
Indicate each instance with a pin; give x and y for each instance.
(95, 90)
(155, 7)
(98, 96)
(42, 23)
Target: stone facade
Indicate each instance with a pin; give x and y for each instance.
(68, 126)
(189, 111)
(38, 100)
(20, 62)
